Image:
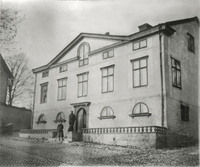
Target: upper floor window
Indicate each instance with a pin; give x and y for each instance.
(60, 117)
(191, 45)
(176, 73)
(82, 84)
(108, 54)
(63, 68)
(140, 109)
(107, 79)
(62, 86)
(184, 113)
(41, 119)
(45, 74)
(140, 44)
(44, 93)
(107, 113)
(83, 51)
(140, 77)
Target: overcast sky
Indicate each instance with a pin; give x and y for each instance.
(51, 25)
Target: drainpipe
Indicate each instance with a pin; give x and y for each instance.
(161, 75)
(32, 117)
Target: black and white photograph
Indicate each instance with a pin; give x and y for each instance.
(99, 83)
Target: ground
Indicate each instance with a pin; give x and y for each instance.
(16, 151)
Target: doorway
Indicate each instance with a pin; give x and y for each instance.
(81, 120)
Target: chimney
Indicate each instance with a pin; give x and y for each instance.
(144, 27)
(107, 33)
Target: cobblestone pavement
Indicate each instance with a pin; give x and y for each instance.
(15, 151)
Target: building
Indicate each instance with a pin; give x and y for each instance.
(139, 90)
(10, 116)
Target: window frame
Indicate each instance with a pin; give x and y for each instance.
(42, 91)
(140, 68)
(140, 114)
(185, 113)
(176, 70)
(107, 116)
(45, 74)
(191, 43)
(63, 86)
(43, 120)
(82, 83)
(60, 68)
(107, 67)
(107, 52)
(87, 56)
(139, 42)
(60, 120)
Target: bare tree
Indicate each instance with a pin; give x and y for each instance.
(9, 24)
(21, 86)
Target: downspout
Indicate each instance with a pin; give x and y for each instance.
(33, 102)
(161, 75)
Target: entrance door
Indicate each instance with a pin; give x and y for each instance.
(81, 120)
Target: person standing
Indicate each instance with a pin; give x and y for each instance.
(60, 131)
(72, 119)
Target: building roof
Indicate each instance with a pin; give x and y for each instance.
(164, 27)
(5, 67)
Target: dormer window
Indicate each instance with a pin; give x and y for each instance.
(83, 51)
(45, 74)
(63, 68)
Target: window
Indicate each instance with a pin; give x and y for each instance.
(45, 74)
(140, 44)
(184, 113)
(108, 54)
(41, 119)
(83, 51)
(62, 86)
(176, 73)
(107, 113)
(60, 117)
(63, 68)
(140, 109)
(107, 79)
(140, 72)
(190, 39)
(82, 84)
(44, 93)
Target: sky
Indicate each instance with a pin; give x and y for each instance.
(50, 25)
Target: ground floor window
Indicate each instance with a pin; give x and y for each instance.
(107, 113)
(41, 119)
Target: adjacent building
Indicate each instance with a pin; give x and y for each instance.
(140, 90)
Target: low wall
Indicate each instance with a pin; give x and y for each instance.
(142, 137)
(20, 117)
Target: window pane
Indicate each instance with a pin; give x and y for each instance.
(80, 89)
(104, 84)
(81, 63)
(111, 53)
(80, 78)
(143, 43)
(110, 83)
(103, 113)
(84, 88)
(63, 92)
(84, 77)
(110, 71)
(178, 65)
(178, 78)
(137, 109)
(143, 73)
(64, 82)
(143, 62)
(136, 79)
(86, 50)
(59, 93)
(144, 108)
(136, 64)
(136, 46)
(174, 77)
(104, 72)
(85, 61)
(105, 55)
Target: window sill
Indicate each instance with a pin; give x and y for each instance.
(140, 115)
(107, 117)
(59, 121)
(41, 122)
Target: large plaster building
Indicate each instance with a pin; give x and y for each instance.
(140, 89)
